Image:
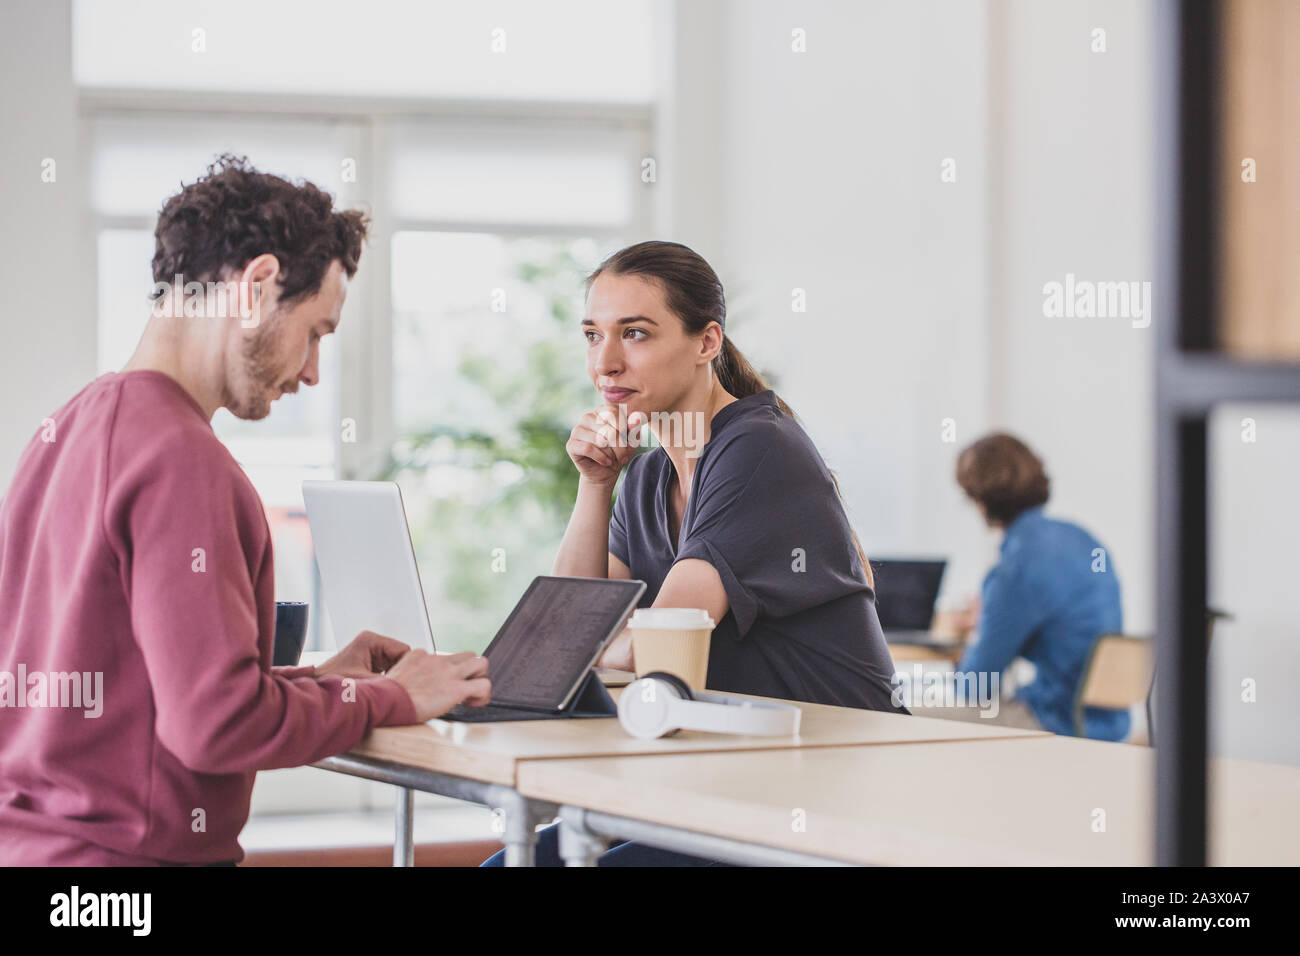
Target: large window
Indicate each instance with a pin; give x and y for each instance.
(489, 377)
(495, 226)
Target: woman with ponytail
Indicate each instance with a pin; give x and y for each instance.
(735, 512)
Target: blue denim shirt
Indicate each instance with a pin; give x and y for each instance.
(1047, 600)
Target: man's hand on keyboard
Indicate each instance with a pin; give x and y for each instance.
(438, 682)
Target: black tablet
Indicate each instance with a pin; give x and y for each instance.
(557, 631)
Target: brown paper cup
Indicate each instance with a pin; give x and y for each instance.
(684, 653)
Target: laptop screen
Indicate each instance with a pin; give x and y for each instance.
(555, 633)
(906, 592)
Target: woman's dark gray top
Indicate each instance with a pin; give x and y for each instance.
(764, 512)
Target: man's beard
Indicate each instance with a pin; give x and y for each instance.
(256, 382)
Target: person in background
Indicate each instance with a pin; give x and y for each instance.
(1053, 592)
(136, 565)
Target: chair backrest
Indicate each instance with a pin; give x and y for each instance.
(1117, 675)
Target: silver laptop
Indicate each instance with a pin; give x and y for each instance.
(369, 578)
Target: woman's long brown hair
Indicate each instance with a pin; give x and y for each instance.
(694, 293)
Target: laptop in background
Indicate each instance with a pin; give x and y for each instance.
(369, 578)
(906, 592)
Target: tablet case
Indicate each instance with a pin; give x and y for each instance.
(591, 700)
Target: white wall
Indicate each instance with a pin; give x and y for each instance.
(825, 173)
(925, 297)
(1074, 148)
(47, 265)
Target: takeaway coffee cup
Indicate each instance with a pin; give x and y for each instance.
(290, 633)
(672, 639)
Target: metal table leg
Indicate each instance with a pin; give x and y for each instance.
(578, 845)
(521, 814)
(404, 829)
(521, 819)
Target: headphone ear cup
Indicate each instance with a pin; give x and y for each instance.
(679, 685)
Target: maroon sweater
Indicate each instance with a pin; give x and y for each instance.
(135, 558)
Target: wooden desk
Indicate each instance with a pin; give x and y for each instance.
(493, 752)
(481, 762)
(989, 802)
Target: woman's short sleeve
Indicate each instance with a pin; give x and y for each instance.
(768, 518)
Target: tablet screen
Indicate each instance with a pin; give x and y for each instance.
(553, 636)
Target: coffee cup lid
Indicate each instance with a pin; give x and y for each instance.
(671, 618)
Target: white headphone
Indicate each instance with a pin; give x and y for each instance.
(660, 704)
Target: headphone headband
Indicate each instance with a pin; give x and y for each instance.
(660, 704)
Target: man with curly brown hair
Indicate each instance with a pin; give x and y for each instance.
(137, 696)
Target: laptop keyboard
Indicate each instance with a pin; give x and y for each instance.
(492, 712)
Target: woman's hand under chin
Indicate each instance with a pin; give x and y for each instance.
(598, 450)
